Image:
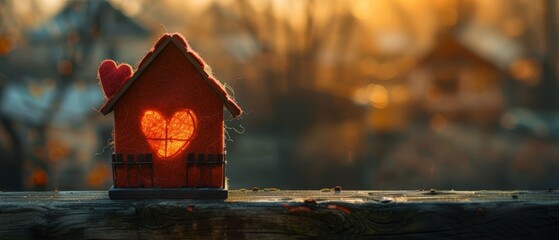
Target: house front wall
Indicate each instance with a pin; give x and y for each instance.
(182, 120)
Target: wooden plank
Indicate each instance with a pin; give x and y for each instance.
(284, 215)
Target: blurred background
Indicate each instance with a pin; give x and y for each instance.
(365, 94)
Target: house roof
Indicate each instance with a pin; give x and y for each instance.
(478, 43)
(449, 47)
(192, 57)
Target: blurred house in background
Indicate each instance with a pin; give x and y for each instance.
(454, 83)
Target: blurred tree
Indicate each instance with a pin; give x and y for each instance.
(70, 38)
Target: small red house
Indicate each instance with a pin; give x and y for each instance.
(168, 124)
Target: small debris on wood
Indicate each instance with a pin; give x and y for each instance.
(307, 205)
(339, 208)
(299, 209)
(310, 202)
(514, 196)
(326, 190)
(190, 208)
(386, 200)
(255, 189)
(338, 189)
(295, 208)
(432, 192)
(243, 189)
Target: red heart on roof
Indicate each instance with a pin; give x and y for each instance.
(113, 77)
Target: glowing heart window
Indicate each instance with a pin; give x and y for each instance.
(168, 137)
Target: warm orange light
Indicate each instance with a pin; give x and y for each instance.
(39, 177)
(168, 137)
(378, 96)
(7, 44)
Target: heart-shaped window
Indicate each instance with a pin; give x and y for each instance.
(168, 137)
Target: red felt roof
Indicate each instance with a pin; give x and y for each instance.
(192, 56)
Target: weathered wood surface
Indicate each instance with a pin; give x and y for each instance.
(284, 215)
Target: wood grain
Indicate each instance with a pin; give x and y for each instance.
(284, 215)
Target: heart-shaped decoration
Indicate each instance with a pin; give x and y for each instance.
(112, 76)
(168, 137)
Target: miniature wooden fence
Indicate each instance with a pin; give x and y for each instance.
(136, 170)
(284, 215)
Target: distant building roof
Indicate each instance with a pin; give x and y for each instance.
(449, 48)
(491, 44)
(98, 18)
(476, 42)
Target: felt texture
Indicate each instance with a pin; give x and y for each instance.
(166, 85)
(229, 102)
(113, 76)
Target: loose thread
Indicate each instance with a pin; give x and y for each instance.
(237, 130)
(109, 144)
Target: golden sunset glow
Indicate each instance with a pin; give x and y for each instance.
(392, 93)
(168, 137)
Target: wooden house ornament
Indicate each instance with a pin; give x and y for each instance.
(168, 124)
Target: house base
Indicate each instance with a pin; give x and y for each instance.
(167, 193)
